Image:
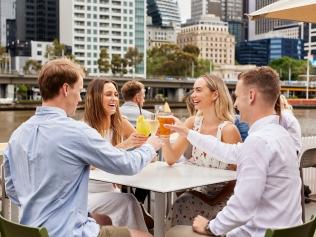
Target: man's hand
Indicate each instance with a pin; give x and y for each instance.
(178, 127)
(199, 224)
(154, 141)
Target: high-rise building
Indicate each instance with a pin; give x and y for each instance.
(261, 29)
(211, 36)
(262, 52)
(164, 12)
(88, 26)
(37, 20)
(159, 35)
(7, 12)
(205, 7)
(228, 10)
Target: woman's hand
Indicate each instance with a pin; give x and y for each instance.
(178, 127)
(134, 140)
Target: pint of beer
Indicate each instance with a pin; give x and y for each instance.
(164, 118)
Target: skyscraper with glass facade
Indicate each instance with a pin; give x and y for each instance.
(37, 20)
(164, 12)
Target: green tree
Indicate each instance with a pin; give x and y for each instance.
(58, 50)
(133, 57)
(32, 66)
(192, 49)
(103, 61)
(203, 67)
(288, 68)
(21, 92)
(170, 60)
(118, 65)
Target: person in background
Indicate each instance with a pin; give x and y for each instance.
(133, 93)
(289, 121)
(102, 113)
(268, 185)
(242, 126)
(47, 160)
(211, 99)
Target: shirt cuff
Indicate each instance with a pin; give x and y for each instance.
(150, 148)
(211, 226)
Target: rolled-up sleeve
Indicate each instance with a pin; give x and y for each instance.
(252, 169)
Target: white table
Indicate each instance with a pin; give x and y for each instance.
(162, 179)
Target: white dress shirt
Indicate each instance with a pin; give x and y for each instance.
(268, 188)
(291, 124)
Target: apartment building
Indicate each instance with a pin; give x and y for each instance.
(90, 25)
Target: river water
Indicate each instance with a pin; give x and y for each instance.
(10, 120)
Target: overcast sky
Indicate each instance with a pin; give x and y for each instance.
(185, 9)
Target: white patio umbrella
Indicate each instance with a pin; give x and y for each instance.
(296, 10)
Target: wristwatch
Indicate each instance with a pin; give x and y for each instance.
(208, 229)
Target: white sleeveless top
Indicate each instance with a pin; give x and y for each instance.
(200, 158)
(99, 186)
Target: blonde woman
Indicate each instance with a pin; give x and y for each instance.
(211, 99)
(102, 113)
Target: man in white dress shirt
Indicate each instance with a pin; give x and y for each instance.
(268, 188)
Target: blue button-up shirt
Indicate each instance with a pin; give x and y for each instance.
(47, 170)
(131, 111)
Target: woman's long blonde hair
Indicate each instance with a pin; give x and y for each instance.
(95, 114)
(223, 104)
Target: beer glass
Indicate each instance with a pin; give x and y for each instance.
(164, 118)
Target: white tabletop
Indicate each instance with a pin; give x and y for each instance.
(160, 177)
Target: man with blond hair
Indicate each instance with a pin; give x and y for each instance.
(47, 161)
(268, 188)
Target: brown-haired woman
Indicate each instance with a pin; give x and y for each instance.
(102, 113)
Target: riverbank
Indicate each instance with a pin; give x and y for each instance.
(31, 105)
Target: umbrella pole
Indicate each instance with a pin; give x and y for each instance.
(308, 58)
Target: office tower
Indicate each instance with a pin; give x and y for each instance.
(37, 20)
(164, 12)
(7, 13)
(262, 52)
(90, 25)
(211, 36)
(228, 10)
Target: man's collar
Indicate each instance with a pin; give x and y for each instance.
(50, 110)
(264, 121)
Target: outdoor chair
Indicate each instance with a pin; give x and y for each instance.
(307, 230)
(11, 229)
(308, 160)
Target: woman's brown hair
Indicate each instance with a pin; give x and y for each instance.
(95, 114)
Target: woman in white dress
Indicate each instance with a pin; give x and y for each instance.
(102, 113)
(214, 117)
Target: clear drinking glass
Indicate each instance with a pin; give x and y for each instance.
(164, 118)
(153, 122)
